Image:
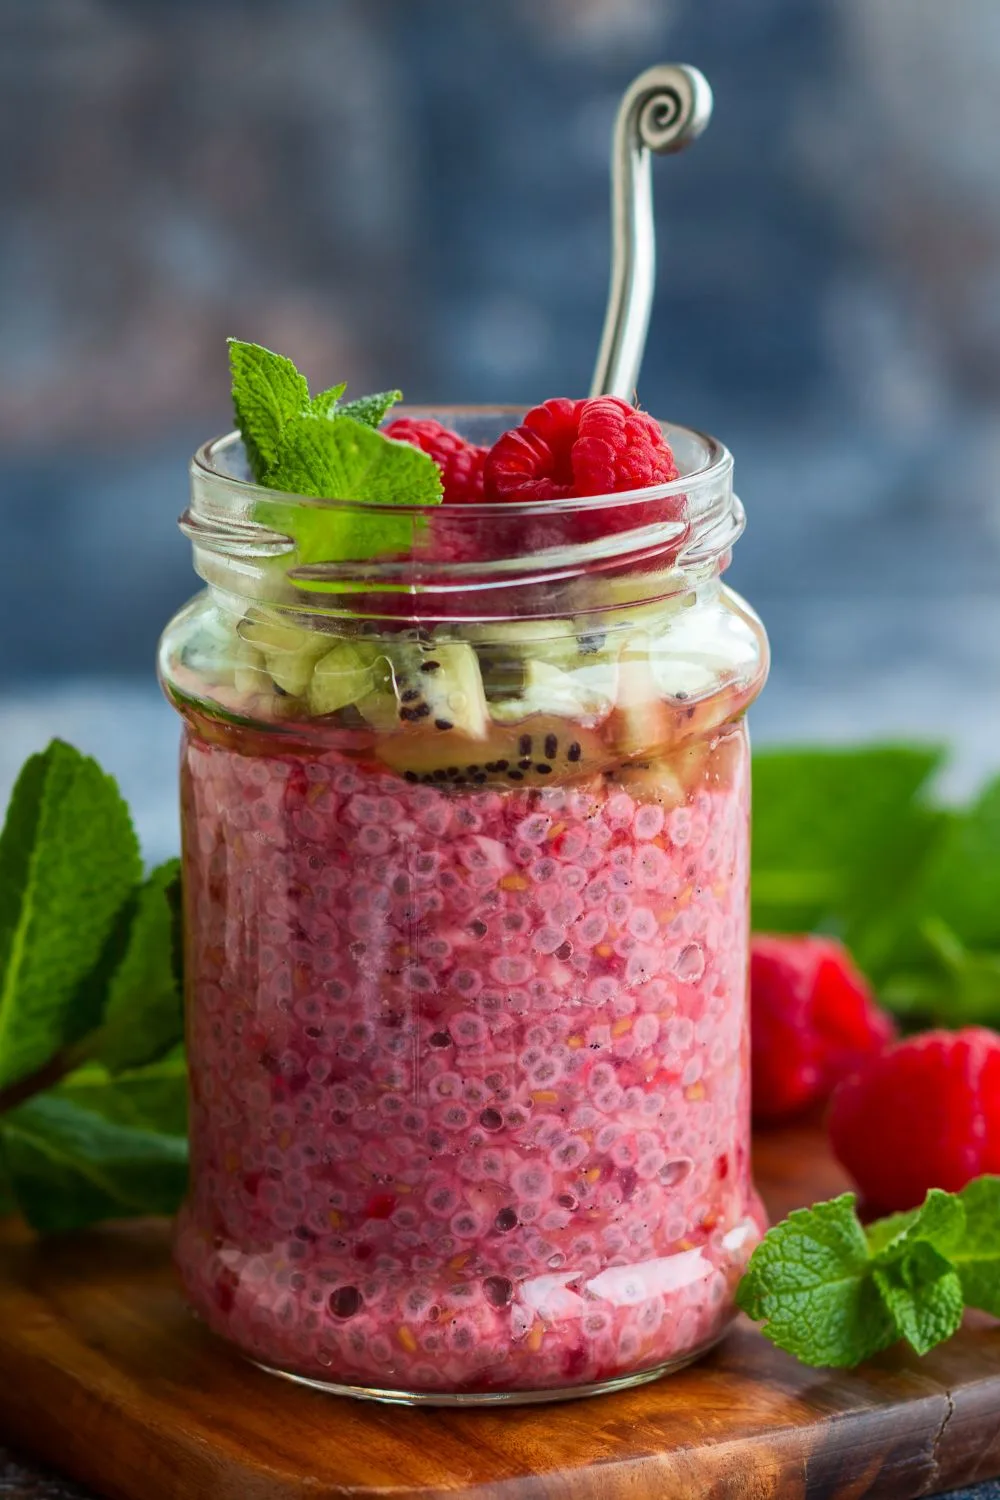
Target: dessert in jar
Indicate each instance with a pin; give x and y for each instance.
(465, 828)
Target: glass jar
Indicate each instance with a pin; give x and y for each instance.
(465, 842)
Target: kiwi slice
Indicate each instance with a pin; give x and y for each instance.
(549, 690)
(345, 675)
(552, 641)
(540, 750)
(290, 651)
(435, 685)
(250, 674)
(416, 681)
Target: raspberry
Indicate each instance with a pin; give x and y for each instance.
(813, 1020)
(566, 449)
(925, 1114)
(461, 463)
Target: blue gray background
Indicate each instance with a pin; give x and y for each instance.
(415, 192)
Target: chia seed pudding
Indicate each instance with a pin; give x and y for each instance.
(466, 951)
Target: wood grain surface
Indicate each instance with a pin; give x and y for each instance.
(105, 1375)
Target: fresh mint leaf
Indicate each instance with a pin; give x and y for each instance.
(810, 1282)
(883, 1232)
(268, 392)
(69, 860)
(943, 963)
(922, 1293)
(962, 883)
(69, 1167)
(326, 449)
(144, 1016)
(371, 410)
(913, 1270)
(977, 1257)
(940, 981)
(342, 459)
(326, 403)
(151, 1098)
(835, 831)
(833, 1294)
(939, 1221)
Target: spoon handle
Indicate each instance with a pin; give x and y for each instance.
(663, 110)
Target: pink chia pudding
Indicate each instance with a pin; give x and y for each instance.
(469, 1064)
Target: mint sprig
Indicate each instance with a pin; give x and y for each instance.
(69, 861)
(89, 989)
(833, 1295)
(328, 449)
(69, 1166)
(853, 842)
(371, 410)
(268, 392)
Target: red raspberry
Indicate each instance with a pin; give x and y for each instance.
(461, 463)
(812, 1021)
(925, 1114)
(453, 538)
(567, 449)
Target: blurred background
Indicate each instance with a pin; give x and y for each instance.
(415, 192)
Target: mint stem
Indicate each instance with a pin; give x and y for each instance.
(58, 1067)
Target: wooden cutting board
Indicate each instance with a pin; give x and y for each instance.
(104, 1374)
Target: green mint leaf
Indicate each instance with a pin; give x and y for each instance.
(151, 1098)
(69, 1167)
(883, 1232)
(810, 1282)
(833, 1294)
(834, 831)
(342, 459)
(268, 392)
(913, 1271)
(939, 1221)
(69, 860)
(977, 1257)
(922, 1293)
(371, 410)
(962, 883)
(943, 963)
(326, 402)
(144, 1015)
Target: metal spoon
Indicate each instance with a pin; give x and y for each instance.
(664, 110)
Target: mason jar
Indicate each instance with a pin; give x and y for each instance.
(465, 840)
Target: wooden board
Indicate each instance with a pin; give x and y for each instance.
(104, 1374)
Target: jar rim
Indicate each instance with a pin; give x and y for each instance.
(717, 465)
(514, 556)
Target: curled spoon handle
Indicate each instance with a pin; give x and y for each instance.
(663, 110)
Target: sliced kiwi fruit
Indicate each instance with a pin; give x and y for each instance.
(423, 683)
(345, 675)
(441, 683)
(250, 674)
(550, 665)
(290, 651)
(546, 689)
(553, 641)
(540, 750)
